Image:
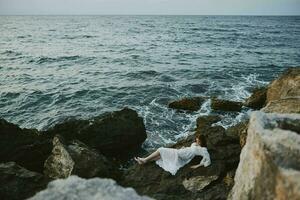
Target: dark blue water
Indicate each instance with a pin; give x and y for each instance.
(53, 67)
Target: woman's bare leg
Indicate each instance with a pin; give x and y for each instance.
(153, 156)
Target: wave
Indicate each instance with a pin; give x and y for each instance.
(50, 60)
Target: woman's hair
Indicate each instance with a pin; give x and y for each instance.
(202, 140)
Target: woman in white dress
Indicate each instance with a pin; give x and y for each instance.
(171, 159)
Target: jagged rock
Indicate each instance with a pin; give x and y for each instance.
(115, 133)
(25, 146)
(78, 159)
(59, 164)
(18, 183)
(225, 105)
(91, 189)
(198, 183)
(89, 163)
(239, 132)
(258, 98)
(270, 162)
(152, 180)
(285, 86)
(287, 105)
(190, 104)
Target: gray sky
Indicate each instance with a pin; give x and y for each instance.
(180, 7)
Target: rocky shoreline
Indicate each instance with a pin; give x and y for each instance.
(96, 148)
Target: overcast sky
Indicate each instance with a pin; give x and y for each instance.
(180, 7)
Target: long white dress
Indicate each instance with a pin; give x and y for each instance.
(173, 159)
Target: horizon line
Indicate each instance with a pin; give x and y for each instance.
(254, 15)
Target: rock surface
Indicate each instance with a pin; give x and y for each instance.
(287, 105)
(59, 164)
(114, 133)
(26, 147)
(258, 98)
(226, 105)
(190, 104)
(270, 162)
(200, 183)
(285, 86)
(92, 189)
(78, 159)
(18, 183)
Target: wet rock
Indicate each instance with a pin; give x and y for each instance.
(18, 183)
(59, 164)
(269, 166)
(226, 105)
(116, 133)
(258, 98)
(27, 147)
(190, 104)
(287, 105)
(91, 189)
(285, 86)
(78, 159)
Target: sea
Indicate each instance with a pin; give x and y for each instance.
(56, 67)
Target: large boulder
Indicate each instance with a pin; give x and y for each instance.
(269, 165)
(27, 147)
(91, 189)
(59, 164)
(287, 105)
(115, 133)
(201, 183)
(18, 183)
(285, 86)
(190, 104)
(77, 158)
(226, 105)
(258, 98)
(238, 132)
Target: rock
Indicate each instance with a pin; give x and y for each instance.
(26, 147)
(18, 183)
(221, 146)
(258, 98)
(226, 105)
(286, 86)
(269, 165)
(59, 164)
(117, 133)
(91, 189)
(201, 183)
(287, 105)
(239, 132)
(153, 181)
(190, 104)
(89, 163)
(198, 183)
(78, 159)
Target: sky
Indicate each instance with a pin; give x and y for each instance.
(149, 7)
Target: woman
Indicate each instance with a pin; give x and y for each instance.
(172, 159)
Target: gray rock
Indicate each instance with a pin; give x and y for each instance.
(269, 165)
(74, 188)
(59, 164)
(17, 182)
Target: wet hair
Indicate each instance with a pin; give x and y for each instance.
(202, 140)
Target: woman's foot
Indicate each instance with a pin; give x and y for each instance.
(139, 160)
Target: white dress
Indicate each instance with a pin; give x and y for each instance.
(173, 159)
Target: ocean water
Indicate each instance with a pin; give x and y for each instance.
(54, 67)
